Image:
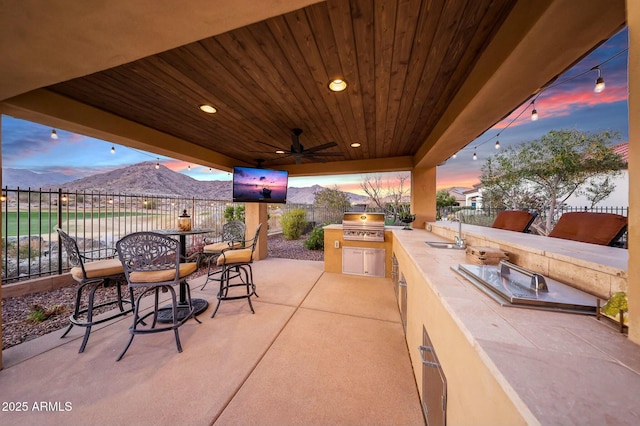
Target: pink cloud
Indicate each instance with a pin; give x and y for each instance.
(556, 103)
(175, 165)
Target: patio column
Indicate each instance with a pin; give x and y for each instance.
(254, 214)
(423, 195)
(633, 22)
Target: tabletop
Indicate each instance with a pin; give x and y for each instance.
(193, 231)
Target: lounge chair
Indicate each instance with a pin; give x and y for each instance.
(595, 228)
(514, 220)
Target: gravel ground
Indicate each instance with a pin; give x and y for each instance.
(16, 327)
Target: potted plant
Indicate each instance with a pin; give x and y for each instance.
(407, 218)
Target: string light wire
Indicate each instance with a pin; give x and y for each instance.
(535, 97)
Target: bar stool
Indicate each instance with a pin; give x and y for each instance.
(151, 263)
(238, 260)
(92, 274)
(233, 236)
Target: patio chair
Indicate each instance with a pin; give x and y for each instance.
(151, 263)
(594, 228)
(233, 236)
(93, 273)
(514, 220)
(236, 263)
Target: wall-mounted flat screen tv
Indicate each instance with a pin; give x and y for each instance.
(259, 185)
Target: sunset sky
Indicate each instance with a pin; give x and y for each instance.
(571, 104)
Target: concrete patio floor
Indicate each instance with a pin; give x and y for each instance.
(321, 348)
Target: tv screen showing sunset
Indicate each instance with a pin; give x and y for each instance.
(259, 185)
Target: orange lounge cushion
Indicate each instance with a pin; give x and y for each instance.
(162, 276)
(98, 268)
(235, 256)
(594, 228)
(218, 247)
(512, 220)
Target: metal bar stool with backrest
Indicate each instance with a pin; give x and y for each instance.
(93, 273)
(151, 263)
(233, 236)
(238, 260)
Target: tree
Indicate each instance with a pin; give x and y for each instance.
(554, 167)
(378, 192)
(232, 212)
(372, 186)
(444, 199)
(331, 198)
(334, 201)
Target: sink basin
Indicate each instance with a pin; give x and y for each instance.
(511, 285)
(444, 245)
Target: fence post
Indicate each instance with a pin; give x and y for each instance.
(57, 233)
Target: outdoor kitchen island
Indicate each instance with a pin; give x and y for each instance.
(505, 365)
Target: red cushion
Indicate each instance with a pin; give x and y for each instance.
(594, 228)
(513, 220)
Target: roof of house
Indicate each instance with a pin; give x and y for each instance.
(623, 150)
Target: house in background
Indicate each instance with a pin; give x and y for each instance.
(473, 196)
(620, 196)
(458, 194)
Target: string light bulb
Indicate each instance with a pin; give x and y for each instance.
(157, 165)
(534, 113)
(113, 149)
(54, 134)
(189, 167)
(454, 155)
(497, 144)
(475, 157)
(599, 87)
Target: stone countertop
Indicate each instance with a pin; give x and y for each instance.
(559, 368)
(591, 255)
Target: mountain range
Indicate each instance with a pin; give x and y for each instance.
(144, 179)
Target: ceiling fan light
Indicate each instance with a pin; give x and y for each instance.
(337, 85)
(208, 109)
(355, 145)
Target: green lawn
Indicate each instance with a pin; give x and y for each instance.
(45, 222)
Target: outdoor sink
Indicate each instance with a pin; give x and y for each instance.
(444, 245)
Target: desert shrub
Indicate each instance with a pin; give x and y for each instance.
(293, 223)
(232, 212)
(315, 240)
(39, 313)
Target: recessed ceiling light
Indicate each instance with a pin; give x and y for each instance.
(355, 145)
(337, 85)
(208, 109)
(279, 151)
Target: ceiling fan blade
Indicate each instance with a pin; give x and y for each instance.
(272, 146)
(321, 147)
(324, 154)
(263, 152)
(295, 140)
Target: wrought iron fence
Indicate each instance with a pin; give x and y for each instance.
(99, 219)
(96, 219)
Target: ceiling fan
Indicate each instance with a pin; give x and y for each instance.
(298, 152)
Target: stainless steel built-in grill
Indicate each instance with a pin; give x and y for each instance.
(363, 227)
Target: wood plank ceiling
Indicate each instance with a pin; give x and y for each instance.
(403, 60)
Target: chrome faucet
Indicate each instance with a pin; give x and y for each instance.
(459, 241)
